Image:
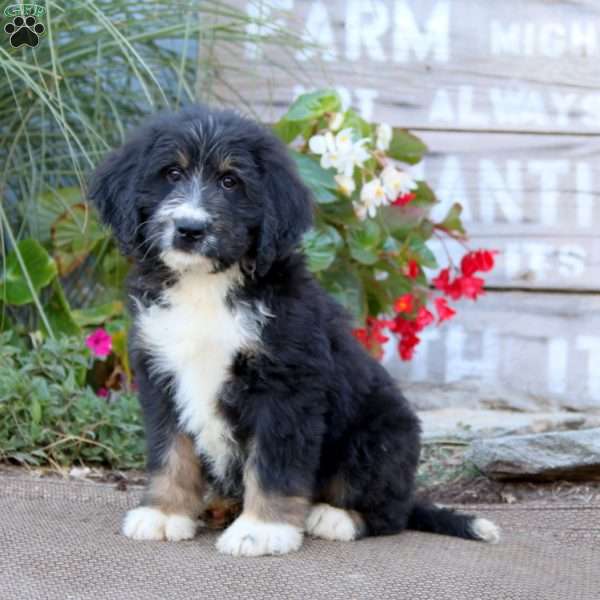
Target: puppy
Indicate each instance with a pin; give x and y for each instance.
(251, 384)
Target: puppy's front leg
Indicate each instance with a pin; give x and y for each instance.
(270, 523)
(173, 499)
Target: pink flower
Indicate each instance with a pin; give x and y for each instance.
(99, 342)
(102, 392)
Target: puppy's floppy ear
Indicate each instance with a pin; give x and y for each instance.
(288, 207)
(112, 190)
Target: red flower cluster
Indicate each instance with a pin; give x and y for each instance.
(480, 260)
(466, 285)
(412, 317)
(372, 337)
(407, 330)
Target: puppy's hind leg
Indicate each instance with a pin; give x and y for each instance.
(173, 499)
(331, 523)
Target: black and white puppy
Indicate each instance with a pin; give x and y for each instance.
(251, 384)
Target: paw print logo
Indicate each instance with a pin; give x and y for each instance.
(24, 31)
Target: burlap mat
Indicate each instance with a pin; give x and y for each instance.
(60, 540)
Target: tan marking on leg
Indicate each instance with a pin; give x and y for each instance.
(269, 507)
(179, 487)
(269, 524)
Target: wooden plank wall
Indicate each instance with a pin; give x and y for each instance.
(507, 96)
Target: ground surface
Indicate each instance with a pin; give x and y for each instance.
(60, 539)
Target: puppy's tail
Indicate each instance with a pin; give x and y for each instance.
(445, 521)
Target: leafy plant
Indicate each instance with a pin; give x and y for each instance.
(49, 415)
(100, 67)
(370, 247)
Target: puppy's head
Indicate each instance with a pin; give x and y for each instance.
(203, 188)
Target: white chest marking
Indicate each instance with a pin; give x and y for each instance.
(195, 338)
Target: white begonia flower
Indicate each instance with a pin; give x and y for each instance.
(372, 195)
(361, 154)
(360, 210)
(317, 144)
(325, 146)
(336, 121)
(397, 183)
(353, 156)
(346, 184)
(339, 152)
(384, 136)
(321, 144)
(343, 141)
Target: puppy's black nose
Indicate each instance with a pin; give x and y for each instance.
(190, 229)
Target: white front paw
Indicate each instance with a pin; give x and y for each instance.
(146, 523)
(249, 537)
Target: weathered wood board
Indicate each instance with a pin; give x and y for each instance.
(535, 198)
(507, 96)
(517, 65)
(542, 346)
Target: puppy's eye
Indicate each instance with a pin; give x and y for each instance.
(228, 182)
(173, 174)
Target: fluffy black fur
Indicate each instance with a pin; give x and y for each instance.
(317, 408)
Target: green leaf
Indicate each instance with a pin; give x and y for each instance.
(39, 265)
(364, 242)
(112, 270)
(358, 124)
(321, 245)
(340, 212)
(97, 315)
(418, 248)
(36, 411)
(319, 180)
(397, 284)
(287, 131)
(313, 105)
(400, 222)
(406, 147)
(59, 312)
(452, 221)
(48, 207)
(74, 235)
(345, 285)
(425, 195)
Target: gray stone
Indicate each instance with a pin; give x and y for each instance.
(468, 424)
(474, 394)
(545, 456)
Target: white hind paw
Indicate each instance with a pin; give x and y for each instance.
(486, 531)
(331, 523)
